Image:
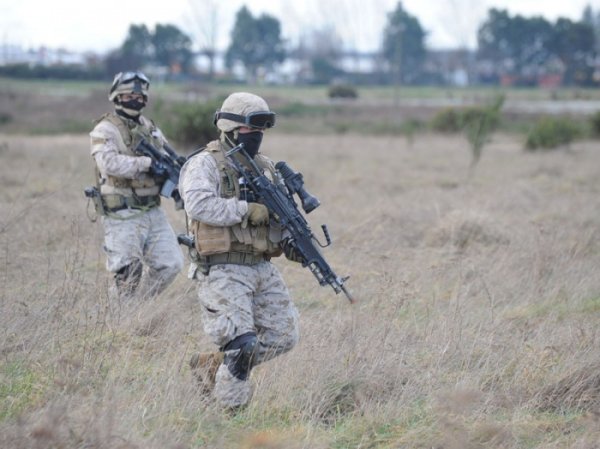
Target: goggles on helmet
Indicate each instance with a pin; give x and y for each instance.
(127, 77)
(260, 119)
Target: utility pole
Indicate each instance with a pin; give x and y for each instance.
(397, 63)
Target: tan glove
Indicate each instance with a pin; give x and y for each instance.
(258, 214)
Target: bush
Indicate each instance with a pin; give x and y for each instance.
(479, 123)
(447, 120)
(191, 123)
(595, 124)
(475, 114)
(342, 91)
(551, 132)
(5, 118)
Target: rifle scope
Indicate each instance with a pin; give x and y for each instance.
(294, 181)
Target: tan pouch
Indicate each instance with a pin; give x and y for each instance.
(113, 201)
(210, 239)
(259, 242)
(142, 182)
(242, 234)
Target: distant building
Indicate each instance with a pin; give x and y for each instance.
(15, 54)
(453, 67)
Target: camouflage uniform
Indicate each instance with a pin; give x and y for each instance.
(137, 232)
(236, 298)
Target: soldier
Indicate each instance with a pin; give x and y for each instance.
(246, 307)
(136, 231)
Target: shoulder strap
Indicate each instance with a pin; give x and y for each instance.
(267, 164)
(229, 178)
(124, 130)
(195, 152)
(104, 116)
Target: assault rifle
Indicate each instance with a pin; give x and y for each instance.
(280, 202)
(169, 164)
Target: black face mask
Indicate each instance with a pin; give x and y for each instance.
(251, 142)
(133, 104)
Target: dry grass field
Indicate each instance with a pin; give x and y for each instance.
(477, 323)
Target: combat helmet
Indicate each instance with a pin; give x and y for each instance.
(244, 109)
(129, 83)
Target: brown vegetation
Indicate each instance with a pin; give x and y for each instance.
(477, 322)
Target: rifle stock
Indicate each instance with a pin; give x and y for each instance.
(285, 210)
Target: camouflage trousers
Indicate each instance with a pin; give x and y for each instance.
(144, 244)
(237, 299)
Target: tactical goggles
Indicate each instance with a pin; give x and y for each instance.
(127, 77)
(261, 119)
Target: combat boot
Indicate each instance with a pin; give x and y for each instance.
(204, 368)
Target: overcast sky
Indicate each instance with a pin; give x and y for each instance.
(102, 25)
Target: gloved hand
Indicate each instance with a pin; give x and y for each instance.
(157, 169)
(290, 251)
(258, 214)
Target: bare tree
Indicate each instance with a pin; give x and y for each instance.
(458, 20)
(204, 29)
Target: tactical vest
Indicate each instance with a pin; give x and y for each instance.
(131, 133)
(243, 237)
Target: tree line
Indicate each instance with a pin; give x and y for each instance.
(510, 47)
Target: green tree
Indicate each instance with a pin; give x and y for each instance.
(592, 19)
(167, 46)
(574, 44)
(136, 51)
(255, 42)
(520, 44)
(172, 47)
(528, 47)
(404, 45)
(138, 43)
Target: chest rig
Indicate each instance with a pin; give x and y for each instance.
(241, 243)
(131, 133)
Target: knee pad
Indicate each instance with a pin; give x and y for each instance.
(239, 355)
(128, 277)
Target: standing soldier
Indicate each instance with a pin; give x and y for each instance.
(246, 307)
(136, 231)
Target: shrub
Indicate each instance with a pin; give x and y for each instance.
(447, 120)
(191, 123)
(5, 118)
(595, 124)
(409, 128)
(479, 123)
(342, 91)
(551, 132)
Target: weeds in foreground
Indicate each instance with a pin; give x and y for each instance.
(475, 326)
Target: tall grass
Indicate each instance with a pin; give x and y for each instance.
(476, 324)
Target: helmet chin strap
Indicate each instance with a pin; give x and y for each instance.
(230, 138)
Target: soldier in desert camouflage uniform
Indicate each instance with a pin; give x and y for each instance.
(246, 307)
(136, 230)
